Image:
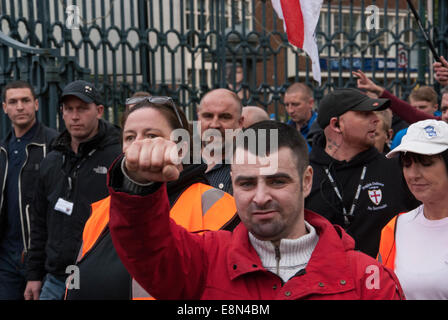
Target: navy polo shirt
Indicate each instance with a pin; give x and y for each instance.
(219, 177)
(16, 158)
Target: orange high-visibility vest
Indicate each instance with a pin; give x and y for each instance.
(199, 208)
(386, 254)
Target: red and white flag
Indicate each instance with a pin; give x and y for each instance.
(300, 19)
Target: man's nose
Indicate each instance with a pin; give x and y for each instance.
(262, 195)
(75, 114)
(20, 105)
(215, 123)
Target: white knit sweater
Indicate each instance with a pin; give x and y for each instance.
(291, 256)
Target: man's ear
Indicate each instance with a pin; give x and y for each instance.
(307, 181)
(100, 110)
(335, 125)
(36, 105)
(390, 135)
(241, 121)
(311, 102)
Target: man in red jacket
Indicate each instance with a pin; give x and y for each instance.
(279, 251)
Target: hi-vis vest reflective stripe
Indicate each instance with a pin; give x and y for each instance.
(386, 254)
(199, 208)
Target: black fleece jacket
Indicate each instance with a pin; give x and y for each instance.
(77, 178)
(383, 193)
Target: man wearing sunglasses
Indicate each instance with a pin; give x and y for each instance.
(71, 178)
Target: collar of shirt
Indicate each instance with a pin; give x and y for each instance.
(28, 135)
(306, 127)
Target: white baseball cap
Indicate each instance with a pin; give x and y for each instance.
(428, 137)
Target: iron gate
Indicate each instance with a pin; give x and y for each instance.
(183, 48)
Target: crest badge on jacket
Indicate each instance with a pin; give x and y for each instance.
(375, 196)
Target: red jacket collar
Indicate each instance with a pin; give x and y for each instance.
(328, 264)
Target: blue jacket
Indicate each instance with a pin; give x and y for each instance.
(396, 141)
(305, 130)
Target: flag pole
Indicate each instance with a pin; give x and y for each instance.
(425, 35)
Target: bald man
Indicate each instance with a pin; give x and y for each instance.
(221, 110)
(253, 114)
(299, 104)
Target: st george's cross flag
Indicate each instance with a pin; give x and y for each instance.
(300, 19)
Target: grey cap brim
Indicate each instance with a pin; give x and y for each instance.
(424, 148)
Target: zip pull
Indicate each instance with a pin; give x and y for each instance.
(68, 192)
(22, 258)
(27, 213)
(277, 258)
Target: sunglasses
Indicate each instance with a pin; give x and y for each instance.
(156, 100)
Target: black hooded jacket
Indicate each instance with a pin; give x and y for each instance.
(383, 193)
(79, 179)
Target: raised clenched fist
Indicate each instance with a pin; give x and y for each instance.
(155, 160)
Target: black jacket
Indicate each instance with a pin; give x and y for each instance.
(36, 150)
(383, 193)
(77, 178)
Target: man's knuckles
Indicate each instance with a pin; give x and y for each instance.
(151, 154)
(170, 173)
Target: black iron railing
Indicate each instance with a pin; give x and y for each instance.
(183, 48)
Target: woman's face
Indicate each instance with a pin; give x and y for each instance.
(427, 179)
(145, 123)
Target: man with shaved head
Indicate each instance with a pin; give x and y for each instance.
(299, 104)
(253, 114)
(220, 110)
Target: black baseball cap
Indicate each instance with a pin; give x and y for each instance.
(83, 90)
(340, 101)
